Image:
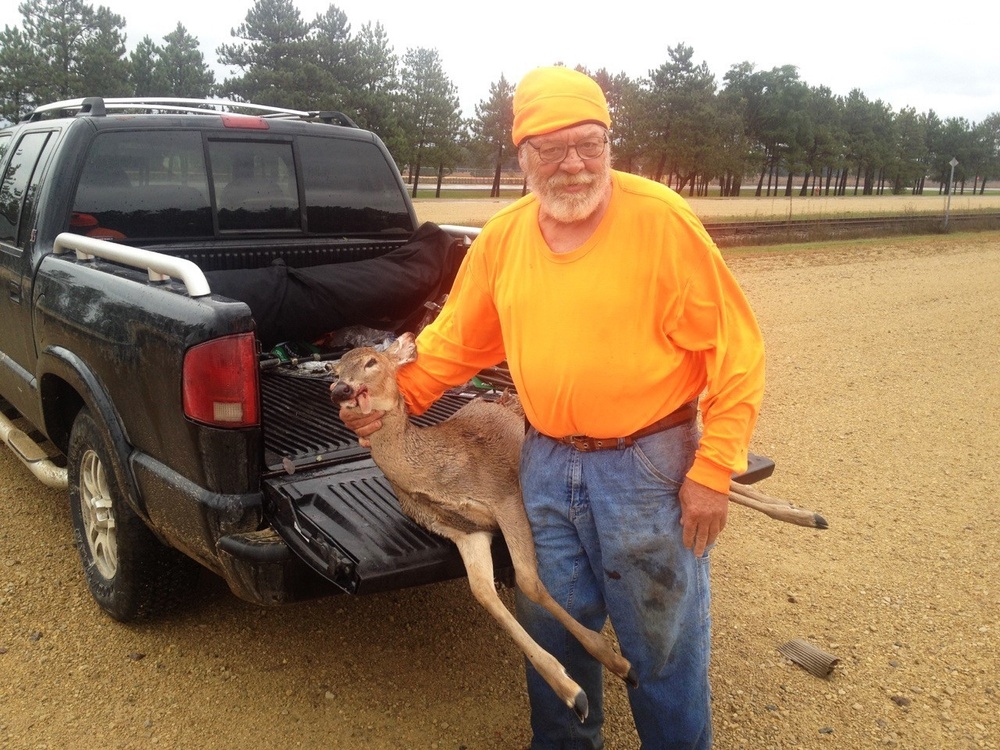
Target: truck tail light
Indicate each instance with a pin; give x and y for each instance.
(220, 384)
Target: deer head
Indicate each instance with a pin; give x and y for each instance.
(366, 378)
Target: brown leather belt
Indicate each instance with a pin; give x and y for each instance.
(682, 414)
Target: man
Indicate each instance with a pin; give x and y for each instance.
(614, 310)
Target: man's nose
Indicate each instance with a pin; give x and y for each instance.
(572, 162)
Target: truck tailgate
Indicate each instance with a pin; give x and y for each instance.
(347, 525)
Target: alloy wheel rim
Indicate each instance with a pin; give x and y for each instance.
(98, 515)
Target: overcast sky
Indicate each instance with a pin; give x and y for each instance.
(941, 56)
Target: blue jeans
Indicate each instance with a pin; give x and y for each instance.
(608, 539)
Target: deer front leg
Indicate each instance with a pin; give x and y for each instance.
(513, 522)
(475, 551)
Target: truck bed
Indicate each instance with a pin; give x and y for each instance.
(301, 426)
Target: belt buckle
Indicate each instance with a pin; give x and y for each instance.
(587, 444)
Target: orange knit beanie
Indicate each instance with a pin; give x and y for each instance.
(549, 99)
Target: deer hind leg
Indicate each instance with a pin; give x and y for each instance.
(514, 524)
(478, 559)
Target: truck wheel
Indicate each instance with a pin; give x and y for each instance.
(129, 572)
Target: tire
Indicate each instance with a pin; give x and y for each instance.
(129, 572)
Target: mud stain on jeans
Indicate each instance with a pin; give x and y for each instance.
(663, 587)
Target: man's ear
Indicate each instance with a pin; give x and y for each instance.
(403, 349)
(522, 159)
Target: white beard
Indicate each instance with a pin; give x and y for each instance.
(568, 208)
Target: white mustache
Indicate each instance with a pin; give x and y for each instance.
(570, 180)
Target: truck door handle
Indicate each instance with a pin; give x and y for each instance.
(14, 290)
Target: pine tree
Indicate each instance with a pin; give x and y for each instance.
(57, 30)
(431, 116)
(18, 75)
(494, 124)
(372, 101)
(143, 73)
(181, 66)
(102, 66)
(275, 57)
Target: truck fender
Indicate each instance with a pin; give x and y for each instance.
(58, 363)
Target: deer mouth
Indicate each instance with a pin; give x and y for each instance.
(362, 399)
(346, 395)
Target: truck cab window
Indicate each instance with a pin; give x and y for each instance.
(255, 185)
(143, 185)
(347, 192)
(16, 184)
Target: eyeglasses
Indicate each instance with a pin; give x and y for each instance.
(551, 153)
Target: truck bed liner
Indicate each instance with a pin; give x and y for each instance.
(347, 525)
(301, 426)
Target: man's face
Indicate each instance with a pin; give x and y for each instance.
(572, 188)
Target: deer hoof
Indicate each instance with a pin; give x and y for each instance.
(581, 706)
(632, 678)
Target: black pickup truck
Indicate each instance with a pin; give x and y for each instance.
(176, 275)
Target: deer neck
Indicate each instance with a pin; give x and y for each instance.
(387, 442)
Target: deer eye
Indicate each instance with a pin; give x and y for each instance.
(371, 363)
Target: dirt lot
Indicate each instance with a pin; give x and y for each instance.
(881, 413)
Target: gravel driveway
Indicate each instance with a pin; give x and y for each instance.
(881, 412)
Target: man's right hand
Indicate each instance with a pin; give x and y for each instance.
(360, 423)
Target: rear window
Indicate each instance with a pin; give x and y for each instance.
(255, 185)
(161, 185)
(350, 188)
(144, 185)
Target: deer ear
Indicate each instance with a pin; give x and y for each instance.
(403, 349)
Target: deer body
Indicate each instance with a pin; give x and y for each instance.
(470, 463)
(459, 479)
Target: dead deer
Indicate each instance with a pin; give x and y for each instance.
(459, 479)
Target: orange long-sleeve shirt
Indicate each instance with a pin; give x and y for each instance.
(610, 337)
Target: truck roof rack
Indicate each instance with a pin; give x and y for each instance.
(96, 106)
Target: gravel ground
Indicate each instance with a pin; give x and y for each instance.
(881, 413)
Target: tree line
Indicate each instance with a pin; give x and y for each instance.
(763, 130)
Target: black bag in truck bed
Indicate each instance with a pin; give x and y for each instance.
(382, 292)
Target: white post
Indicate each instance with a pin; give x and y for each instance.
(951, 186)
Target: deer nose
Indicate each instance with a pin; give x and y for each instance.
(341, 391)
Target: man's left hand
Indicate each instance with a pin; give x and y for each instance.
(703, 515)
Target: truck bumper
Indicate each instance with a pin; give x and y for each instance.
(260, 568)
(222, 532)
